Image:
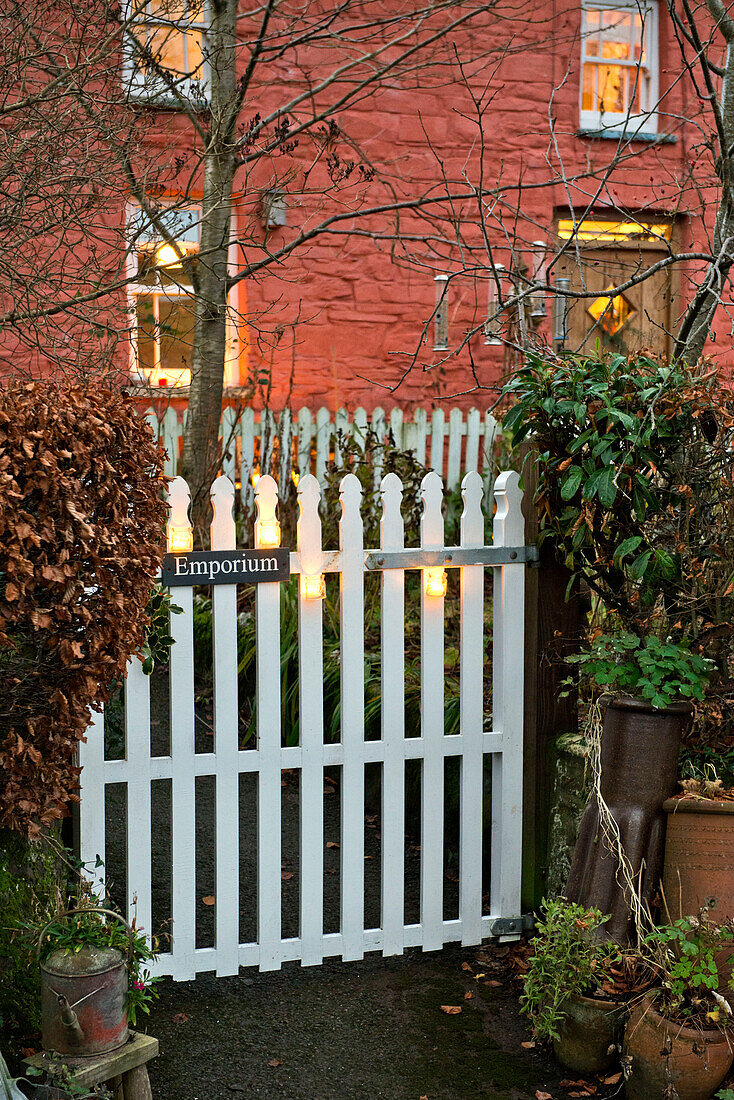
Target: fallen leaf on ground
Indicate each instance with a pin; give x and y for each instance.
(180, 1018)
(543, 1095)
(478, 976)
(27, 1052)
(468, 995)
(286, 875)
(331, 844)
(466, 966)
(493, 984)
(208, 900)
(451, 1010)
(613, 1080)
(529, 1044)
(275, 1062)
(422, 1098)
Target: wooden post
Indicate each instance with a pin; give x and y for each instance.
(553, 628)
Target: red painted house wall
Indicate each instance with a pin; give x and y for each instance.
(343, 321)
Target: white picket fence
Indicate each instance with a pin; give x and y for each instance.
(183, 764)
(451, 442)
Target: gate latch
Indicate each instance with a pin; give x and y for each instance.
(512, 926)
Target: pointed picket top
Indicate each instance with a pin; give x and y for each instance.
(350, 496)
(432, 519)
(392, 528)
(223, 531)
(472, 519)
(509, 524)
(266, 501)
(179, 502)
(309, 524)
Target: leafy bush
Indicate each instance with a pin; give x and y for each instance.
(657, 671)
(635, 482)
(568, 960)
(684, 954)
(81, 540)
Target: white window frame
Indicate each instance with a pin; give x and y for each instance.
(144, 88)
(612, 122)
(158, 290)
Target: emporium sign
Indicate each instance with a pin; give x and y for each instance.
(227, 567)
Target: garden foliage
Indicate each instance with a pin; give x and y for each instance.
(82, 518)
(636, 489)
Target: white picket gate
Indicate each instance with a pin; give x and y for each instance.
(312, 755)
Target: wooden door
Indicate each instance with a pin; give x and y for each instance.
(638, 318)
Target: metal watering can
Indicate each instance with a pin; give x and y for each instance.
(84, 995)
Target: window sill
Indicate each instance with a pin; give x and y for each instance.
(615, 135)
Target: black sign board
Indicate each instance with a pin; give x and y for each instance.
(227, 567)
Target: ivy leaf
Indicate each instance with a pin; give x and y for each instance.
(627, 547)
(607, 489)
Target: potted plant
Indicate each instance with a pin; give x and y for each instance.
(678, 1040)
(94, 980)
(576, 987)
(648, 686)
(634, 474)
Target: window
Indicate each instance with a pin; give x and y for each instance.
(619, 66)
(162, 298)
(169, 35)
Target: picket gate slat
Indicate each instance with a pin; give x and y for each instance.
(183, 775)
(420, 439)
(396, 427)
(507, 702)
(432, 726)
(92, 849)
(269, 845)
(392, 722)
(471, 712)
(226, 737)
(225, 762)
(171, 436)
(351, 605)
(342, 430)
(137, 754)
(285, 459)
(311, 697)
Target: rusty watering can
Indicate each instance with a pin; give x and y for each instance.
(84, 995)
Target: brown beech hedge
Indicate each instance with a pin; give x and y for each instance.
(82, 516)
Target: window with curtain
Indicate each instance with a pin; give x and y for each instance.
(619, 66)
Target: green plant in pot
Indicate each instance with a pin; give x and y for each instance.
(94, 980)
(679, 1039)
(634, 472)
(577, 986)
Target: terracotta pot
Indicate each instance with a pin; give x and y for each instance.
(663, 1053)
(639, 762)
(589, 1034)
(699, 866)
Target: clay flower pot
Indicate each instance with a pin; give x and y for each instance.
(699, 866)
(589, 1033)
(663, 1053)
(639, 763)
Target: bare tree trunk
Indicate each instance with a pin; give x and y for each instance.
(200, 452)
(699, 316)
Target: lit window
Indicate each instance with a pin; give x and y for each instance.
(619, 66)
(164, 305)
(165, 52)
(611, 313)
(608, 231)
